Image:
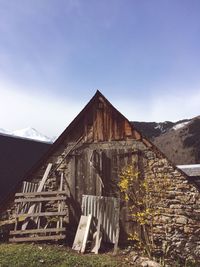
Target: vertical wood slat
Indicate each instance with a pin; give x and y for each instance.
(116, 210)
(109, 214)
(16, 218)
(27, 187)
(60, 205)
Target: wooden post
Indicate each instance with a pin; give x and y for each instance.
(38, 218)
(16, 218)
(60, 220)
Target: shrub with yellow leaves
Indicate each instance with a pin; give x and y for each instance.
(143, 195)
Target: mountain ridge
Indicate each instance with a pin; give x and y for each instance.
(179, 141)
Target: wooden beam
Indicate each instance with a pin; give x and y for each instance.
(71, 149)
(44, 178)
(40, 214)
(11, 221)
(37, 231)
(39, 199)
(43, 193)
(36, 238)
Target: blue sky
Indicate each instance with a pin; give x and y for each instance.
(144, 55)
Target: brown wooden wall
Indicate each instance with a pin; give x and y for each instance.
(94, 170)
(103, 123)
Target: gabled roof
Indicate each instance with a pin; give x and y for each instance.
(76, 122)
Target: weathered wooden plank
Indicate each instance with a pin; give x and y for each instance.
(59, 222)
(40, 188)
(37, 231)
(117, 210)
(80, 233)
(39, 199)
(44, 178)
(36, 238)
(72, 175)
(70, 150)
(99, 125)
(87, 229)
(40, 214)
(6, 222)
(44, 193)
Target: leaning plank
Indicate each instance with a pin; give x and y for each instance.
(87, 229)
(40, 187)
(37, 231)
(44, 178)
(40, 214)
(40, 199)
(80, 233)
(11, 221)
(43, 193)
(36, 238)
(70, 150)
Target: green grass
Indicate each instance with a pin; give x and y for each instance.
(29, 255)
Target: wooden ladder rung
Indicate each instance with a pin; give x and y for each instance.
(43, 193)
(36, 238)
(35, 231)
(40, 214)
(39, 199)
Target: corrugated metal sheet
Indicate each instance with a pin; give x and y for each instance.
(108, 208)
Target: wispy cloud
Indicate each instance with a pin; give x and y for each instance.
(47, 114)
(51, 115)
(164, 105)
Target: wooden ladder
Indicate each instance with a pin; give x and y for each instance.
(31, 205)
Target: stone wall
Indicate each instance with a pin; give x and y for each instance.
(177, 228)
(178, 225)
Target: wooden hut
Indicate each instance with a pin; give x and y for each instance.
(90, 154)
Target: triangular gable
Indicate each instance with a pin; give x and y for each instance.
(99, 121)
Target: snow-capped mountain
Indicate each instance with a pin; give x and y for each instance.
(180, 125)
(155, 129)
(179, 141)
(29, 133)
(3, 131)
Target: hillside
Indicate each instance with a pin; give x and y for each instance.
(179, 141)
